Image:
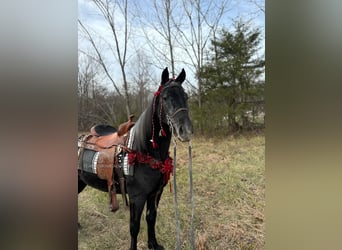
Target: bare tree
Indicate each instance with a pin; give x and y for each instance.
(186, 27)
(142, 78)
(168, 36)
(159, 19)
(260, 4)
(99, 57)
(201, 24)
(87, 73)
(108, 9)
(93, 106)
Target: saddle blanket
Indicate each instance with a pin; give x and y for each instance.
(88, 161)
(127, 169)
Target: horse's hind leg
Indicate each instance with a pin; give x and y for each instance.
(81, 185)
(136, 208)
(113, 202)
(151, 217)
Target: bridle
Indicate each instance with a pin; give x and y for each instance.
(177, 111)
(170, 118)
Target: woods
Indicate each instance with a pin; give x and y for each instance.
(233, 87)
(117, 63)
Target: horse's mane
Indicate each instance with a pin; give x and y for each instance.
(141, 128)
(143, 132)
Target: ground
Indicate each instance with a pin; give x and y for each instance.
(229, 197)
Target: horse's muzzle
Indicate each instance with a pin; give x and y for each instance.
(184, 130)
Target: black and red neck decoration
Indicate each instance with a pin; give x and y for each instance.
(162, 131)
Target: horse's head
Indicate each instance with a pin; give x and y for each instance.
(175, 105)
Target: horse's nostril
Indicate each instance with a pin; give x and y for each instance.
(181, 130)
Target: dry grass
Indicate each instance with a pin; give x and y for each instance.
(229, 189)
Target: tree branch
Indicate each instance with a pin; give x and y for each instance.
(100, 59)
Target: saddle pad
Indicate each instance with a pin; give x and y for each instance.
(127, 169)
(88, 161)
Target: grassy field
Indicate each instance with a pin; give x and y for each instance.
(229, 196)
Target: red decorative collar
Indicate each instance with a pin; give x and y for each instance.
(165, 167)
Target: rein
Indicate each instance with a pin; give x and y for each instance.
(192, 235)
(177, 111)
(162, 131)
(175, 195)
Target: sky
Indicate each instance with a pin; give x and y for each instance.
(245, 10)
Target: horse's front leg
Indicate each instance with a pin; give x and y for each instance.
(151, 218)
(136, 208)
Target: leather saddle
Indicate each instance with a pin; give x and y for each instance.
(101, 130)
(106, 136)
(108, 142)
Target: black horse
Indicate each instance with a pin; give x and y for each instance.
(149, 155)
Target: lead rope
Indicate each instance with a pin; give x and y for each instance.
(192, 235)
(178, 245)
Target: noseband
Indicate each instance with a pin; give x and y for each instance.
(170, 119)
(177, 111)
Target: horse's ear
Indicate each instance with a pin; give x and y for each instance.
(165, 76)
(181, 77)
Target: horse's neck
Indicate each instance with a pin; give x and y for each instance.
(143, 135)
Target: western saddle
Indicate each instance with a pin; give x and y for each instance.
(109, 143)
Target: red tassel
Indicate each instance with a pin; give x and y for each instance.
(154, 145)
(163, 133)
(159, 91)
(132, 158)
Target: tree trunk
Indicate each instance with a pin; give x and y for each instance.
(127, 102)
(168, 15)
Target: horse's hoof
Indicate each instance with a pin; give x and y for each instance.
(155, 246)
(113, 208)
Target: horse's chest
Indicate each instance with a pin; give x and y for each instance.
(145, 180)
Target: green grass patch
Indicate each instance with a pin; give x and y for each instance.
(229, 197)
